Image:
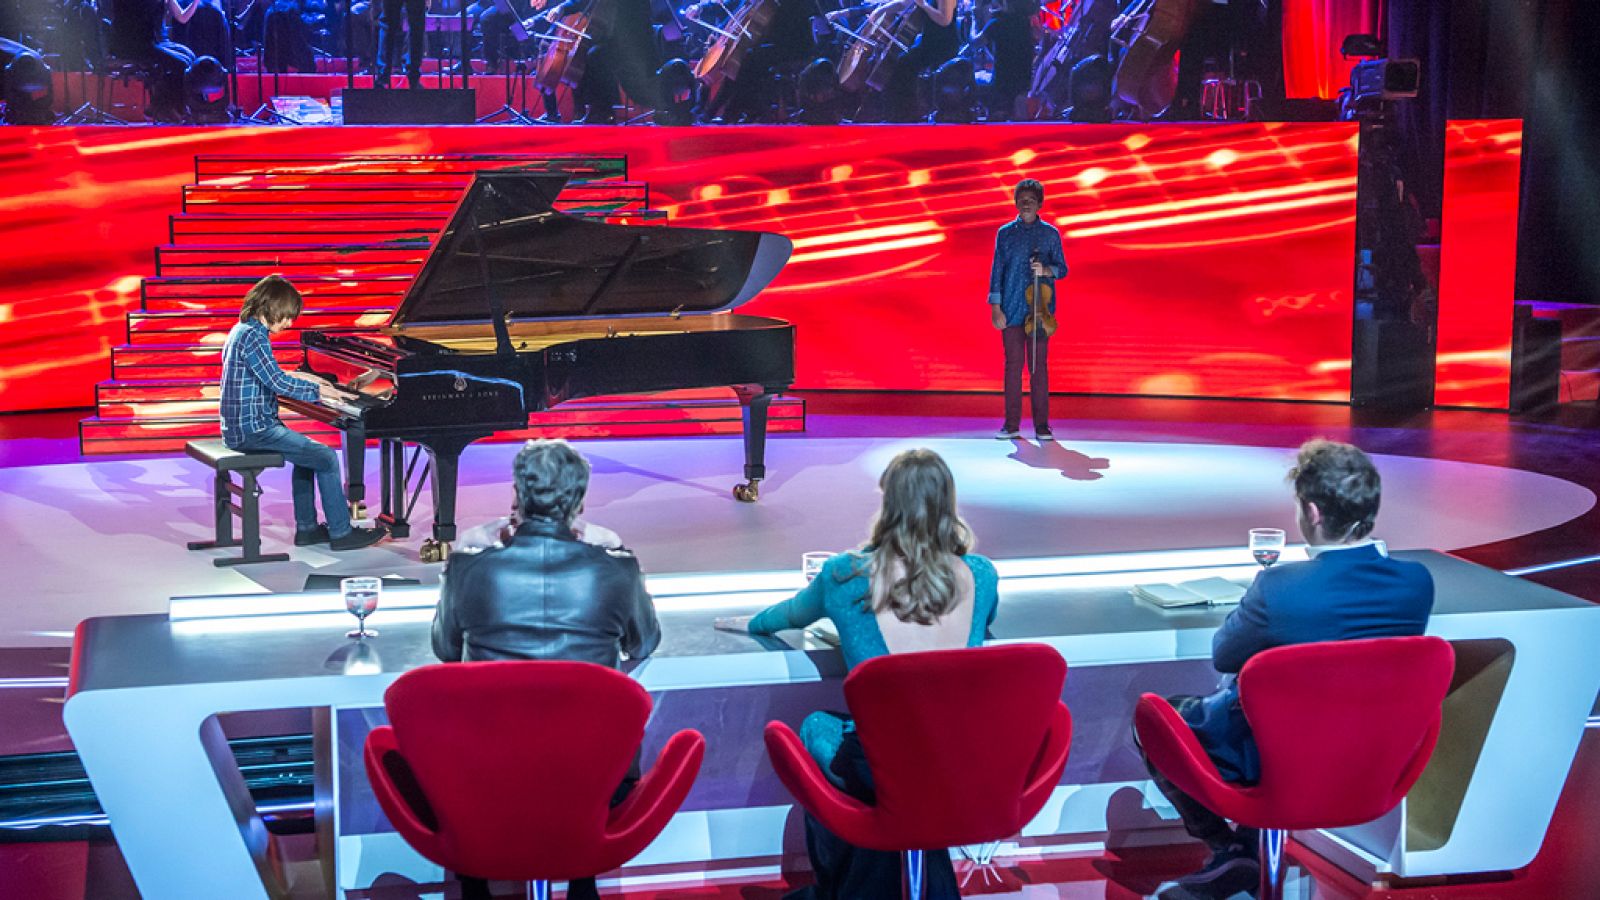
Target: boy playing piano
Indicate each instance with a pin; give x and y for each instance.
(252, 382)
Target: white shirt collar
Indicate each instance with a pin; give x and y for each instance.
(1316, 550)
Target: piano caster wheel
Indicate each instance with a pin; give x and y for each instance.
(435, 551)
(747, 492)
(358, 510)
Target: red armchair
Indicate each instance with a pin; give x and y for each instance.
(940, 780)
(505, 770)
(1344, 729)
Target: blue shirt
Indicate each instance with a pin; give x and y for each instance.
(252, 382)
(1012, 275)
(840, 591)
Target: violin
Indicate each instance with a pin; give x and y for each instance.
(1040, 294)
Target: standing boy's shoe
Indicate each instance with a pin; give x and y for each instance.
(1044, 434)
(1007, 434)
(358, 538)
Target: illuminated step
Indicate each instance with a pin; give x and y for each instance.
(578, 165)
(319, 291)
(267, 196)
(346, 227)
(182, 360)
(290, 260)
(211, 327)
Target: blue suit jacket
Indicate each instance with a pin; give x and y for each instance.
(1338, 595)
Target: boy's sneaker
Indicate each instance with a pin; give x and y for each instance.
(1007, 434)
(358, 538)
(1044, 434)
(317, 535)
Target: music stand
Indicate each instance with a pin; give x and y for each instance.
(513, 116)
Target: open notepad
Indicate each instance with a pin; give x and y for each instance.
(823, 630)
(1200, 592)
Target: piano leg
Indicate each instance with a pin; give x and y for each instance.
(355, 470)
(754, 399)
(446, 456)
(392, 478)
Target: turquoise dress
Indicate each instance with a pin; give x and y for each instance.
(839, 592)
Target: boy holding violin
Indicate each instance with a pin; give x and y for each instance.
(1027, 261)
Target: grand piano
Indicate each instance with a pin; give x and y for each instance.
(519, 308)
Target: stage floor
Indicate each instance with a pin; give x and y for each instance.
(107, 536)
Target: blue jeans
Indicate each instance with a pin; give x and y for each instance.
(314, 464)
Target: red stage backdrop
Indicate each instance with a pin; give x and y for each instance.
(1205, 260)
(1478, 262)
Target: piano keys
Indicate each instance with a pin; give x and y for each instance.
(519, 308)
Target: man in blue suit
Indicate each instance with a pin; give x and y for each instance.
(1349, 589)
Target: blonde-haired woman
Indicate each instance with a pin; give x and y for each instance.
(913, 586)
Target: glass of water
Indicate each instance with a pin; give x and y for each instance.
(1266, 545)
(811, 563)
(361, 598)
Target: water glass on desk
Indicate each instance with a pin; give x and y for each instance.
(811, 563)
(361, 599)
(1266, 545)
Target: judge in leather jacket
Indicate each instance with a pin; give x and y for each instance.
(542, 591)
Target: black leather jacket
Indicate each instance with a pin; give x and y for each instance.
(544, 595)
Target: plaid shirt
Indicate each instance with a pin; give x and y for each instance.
(252, 382)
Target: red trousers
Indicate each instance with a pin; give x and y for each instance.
(1020, 354)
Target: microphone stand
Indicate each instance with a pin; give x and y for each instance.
(349, 45)
(466, 50)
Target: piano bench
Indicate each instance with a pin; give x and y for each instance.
(224, 463)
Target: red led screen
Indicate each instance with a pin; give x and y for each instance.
(1478, 262)
(1206, 260)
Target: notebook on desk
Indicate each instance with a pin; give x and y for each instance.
(823, 630)
(1200, 592)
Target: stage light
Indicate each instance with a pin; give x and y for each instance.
(205, 90)
(954, 85)
(677, 85)
(28, 93)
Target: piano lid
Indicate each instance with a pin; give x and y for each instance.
(507, 248)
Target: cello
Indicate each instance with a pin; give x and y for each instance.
(1150, 31)
(571, 37)
(869, 58)
(744, 32)
(1086, 34)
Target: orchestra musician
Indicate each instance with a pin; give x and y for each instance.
(1027, 251)
(414, 16)
(1009, 36)
(623, 54)
(787, 45)
(139, 34)
(938, 40)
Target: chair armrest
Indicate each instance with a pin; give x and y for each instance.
(635, 822)
(381, 748)
(1170, 745)
(1047, 768)
(840, 813)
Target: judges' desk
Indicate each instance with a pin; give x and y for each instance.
(146, 690)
